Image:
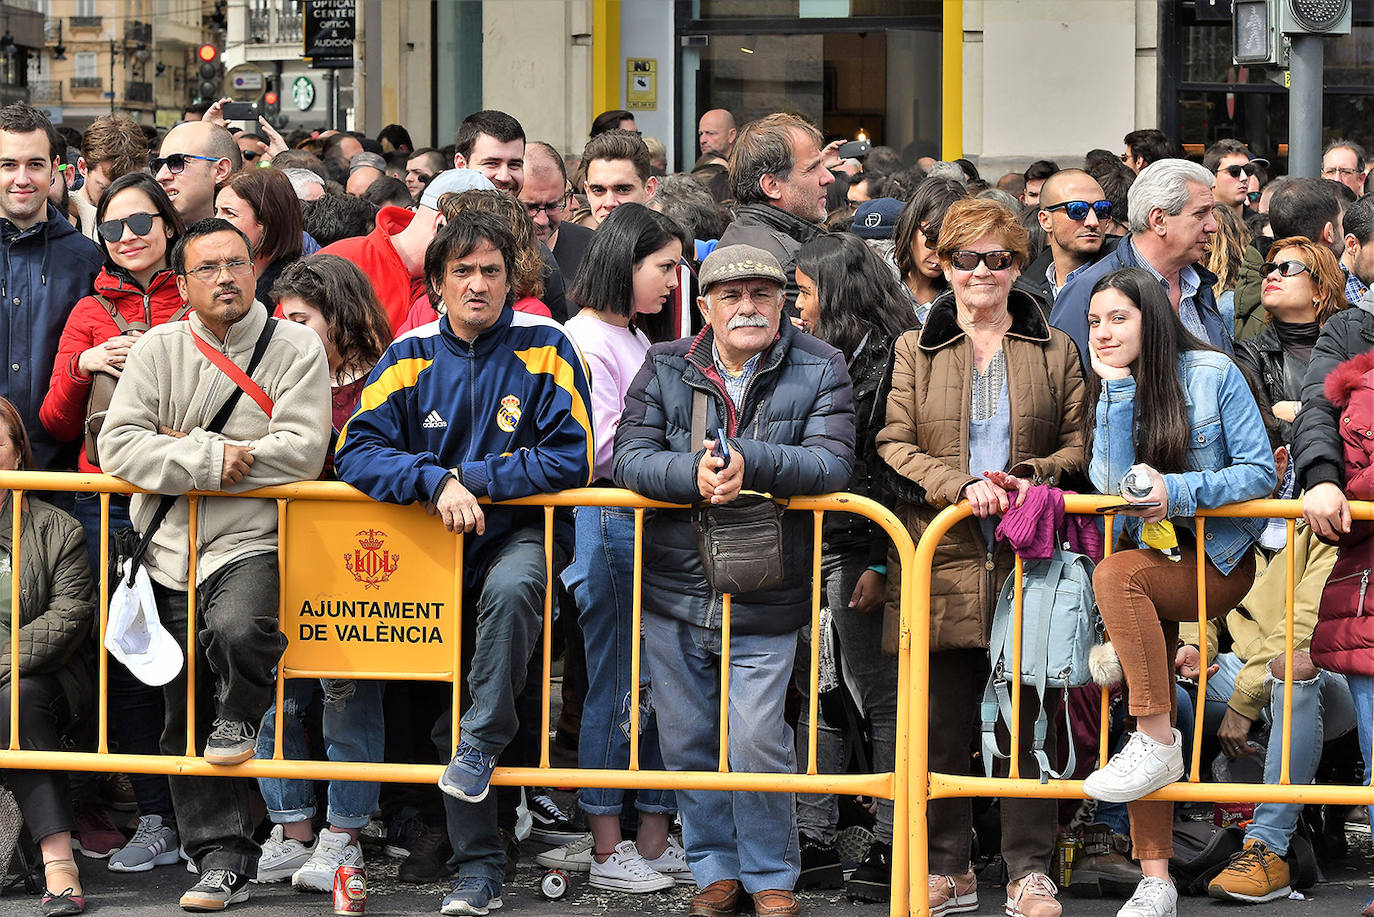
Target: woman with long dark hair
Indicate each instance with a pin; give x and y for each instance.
(849, 298)
(136, 289)
(913, 241)
(1179, 415)
(629, 270)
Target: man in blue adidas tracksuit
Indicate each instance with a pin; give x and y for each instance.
(488, 402)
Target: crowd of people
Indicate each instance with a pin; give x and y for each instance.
(499, 319)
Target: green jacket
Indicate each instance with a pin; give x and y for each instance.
(1251, 318)
(56, 598)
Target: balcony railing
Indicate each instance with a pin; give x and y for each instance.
(87, 22)
(260, 30)
(138, 31)
(45, 90)
(138, 92)
(86, 82)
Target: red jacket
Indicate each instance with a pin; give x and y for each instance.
(64, 407)
(376, 257)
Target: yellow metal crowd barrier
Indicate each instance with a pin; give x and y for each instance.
(925, 786)
(338, 550)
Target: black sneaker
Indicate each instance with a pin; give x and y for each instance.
(872, 880)
(231, 742)
(428, 860)
(216, 890)
(549, 823)
(402, 833)
(820, 865)
(511, 845)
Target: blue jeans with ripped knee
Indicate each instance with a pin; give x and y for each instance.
(352, 732)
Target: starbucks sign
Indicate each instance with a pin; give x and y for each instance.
(303, 93)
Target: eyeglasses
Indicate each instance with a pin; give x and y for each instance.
(176, 162)
(209, 273)
(113, 230)
(1339, 172)
(1237, 171)
(1285, 268)
(1078, 210)
(552, 207)
(997, 260)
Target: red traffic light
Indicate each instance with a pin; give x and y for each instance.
(208, 53)
(270, 98)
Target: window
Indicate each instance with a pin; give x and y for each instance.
(87, 65)
(85, 9)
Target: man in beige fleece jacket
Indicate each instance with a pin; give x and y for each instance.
(155, 437)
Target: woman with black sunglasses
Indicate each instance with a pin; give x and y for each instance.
(135, 290)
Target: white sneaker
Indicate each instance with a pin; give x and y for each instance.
(626, 871)
(1141, 767)
(281, 857)
(672, 862)
(1153, 898)
(575, 856)
(332, 850)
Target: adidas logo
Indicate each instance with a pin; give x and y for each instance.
(434, 422)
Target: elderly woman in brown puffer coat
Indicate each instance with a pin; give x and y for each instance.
(56, 667)
(986, 400)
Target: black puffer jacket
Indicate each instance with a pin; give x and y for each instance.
(775, 231)
(795, 432)
(1317, 451)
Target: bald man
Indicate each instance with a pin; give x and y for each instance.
(544, 194)
(716, 132)
(1071, 244)
(194, 158)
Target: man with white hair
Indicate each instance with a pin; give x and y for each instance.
(307, 185)
(1171, 221)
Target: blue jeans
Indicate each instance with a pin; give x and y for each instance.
(509, 615)
(1322, 709)
(601, 580)
(750, 836)
(352, 732)
(1362, 693)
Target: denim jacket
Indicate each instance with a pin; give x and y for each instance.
(1228, 455)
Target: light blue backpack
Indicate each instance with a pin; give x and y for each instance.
(1060, 625)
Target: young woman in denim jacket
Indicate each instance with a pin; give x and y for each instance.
(1182, 412)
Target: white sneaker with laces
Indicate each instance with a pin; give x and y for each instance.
(1153, 898)
(281, 857)
(672, 862)
(626, 871)
(1141, 767)
(332, 850)
(571, 857)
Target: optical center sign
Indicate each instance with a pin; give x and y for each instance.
(370, 589)
(330, 29)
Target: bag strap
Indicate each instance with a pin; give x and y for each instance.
(120, 321)
(179, 314)
(214, 426)
(232, 370)
(698, 418)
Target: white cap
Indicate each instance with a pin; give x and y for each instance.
(136, 637)
(453, 180)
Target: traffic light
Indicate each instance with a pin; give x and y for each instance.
(1314, 17)
(271, 100)
(1262, 27)
(211, 83)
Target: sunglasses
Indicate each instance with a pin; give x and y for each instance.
(175, 163)
(250, 155)
(1237, 171)
(998, 260)
(139, 223)
(1078, 210)
(1285, 268)
(1253, 197)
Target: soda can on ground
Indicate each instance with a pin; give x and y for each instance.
(350, 890)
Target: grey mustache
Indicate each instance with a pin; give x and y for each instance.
(748, 321)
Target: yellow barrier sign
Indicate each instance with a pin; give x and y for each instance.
(377, 595)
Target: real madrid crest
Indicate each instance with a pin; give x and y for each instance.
(508, 415)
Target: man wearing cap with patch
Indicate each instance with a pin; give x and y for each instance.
(393, 254)
(784, 403)
(874, 222)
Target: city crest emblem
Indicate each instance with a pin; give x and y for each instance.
(369, 563)
(508, 414)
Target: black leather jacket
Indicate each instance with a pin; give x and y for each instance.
(1278, 373)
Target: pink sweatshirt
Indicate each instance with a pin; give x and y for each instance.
(613, 355)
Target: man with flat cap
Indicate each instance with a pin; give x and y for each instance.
(784, 404)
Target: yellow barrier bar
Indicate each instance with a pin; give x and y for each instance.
(278, 727)
(813, 699)
(725, 683)
(946, 786)
(456, 695)
(1014, 676)
(1290, 580)
(636, 621)
(16, 502)
(908, 808)
(1196, 775)
(548, 638)
(1104, 723)
(192, 506)
(103, 678)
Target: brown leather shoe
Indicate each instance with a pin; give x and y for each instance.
(776, 902)
(723, 896)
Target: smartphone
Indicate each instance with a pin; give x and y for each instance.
(855, 149)
(1149, 504)
(241, 111)
(722, 446)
